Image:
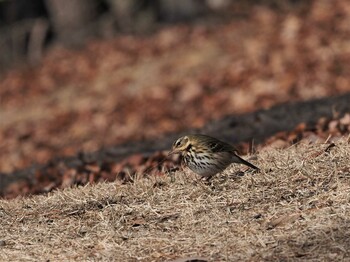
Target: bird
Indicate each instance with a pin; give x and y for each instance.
(206, 155)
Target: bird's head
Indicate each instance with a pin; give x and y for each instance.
(180, 145)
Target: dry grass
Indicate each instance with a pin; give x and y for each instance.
(296, 208)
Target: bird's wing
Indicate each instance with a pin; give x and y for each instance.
(216, 145)
(220, 147)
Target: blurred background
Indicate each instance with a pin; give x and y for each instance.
(81, 75)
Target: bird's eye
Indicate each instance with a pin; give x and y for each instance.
(177, 143)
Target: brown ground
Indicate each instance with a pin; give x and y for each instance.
(296, 208)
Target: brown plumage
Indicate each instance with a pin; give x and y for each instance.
(206, 155)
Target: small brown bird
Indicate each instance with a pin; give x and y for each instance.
(206, 155)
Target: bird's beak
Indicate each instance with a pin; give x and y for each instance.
(172, 152)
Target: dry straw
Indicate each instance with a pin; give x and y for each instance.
(296, 208)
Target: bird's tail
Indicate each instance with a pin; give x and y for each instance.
(238, 159)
